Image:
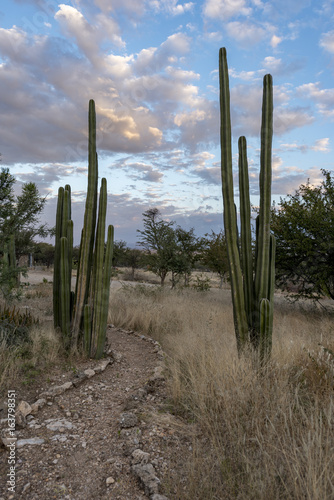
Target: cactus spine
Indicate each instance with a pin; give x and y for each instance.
(86, 311)
(252, 286)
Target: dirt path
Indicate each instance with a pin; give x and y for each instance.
(87, 438)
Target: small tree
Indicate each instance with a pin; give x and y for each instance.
(43, 253)
(158, 239)
(119, 253)
(303, 224)
(19, 221)
(133, 259)
(188, 248)
(214, 254)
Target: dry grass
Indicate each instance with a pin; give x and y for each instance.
(41, 349)
(264, 435)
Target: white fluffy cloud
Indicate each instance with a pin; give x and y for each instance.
(327, 41)
(245, 33)
(225, 9)
(323, 98)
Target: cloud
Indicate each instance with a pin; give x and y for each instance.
(245, 33)
(287, 119)
(320, 145)
(246, 105)
(172, 7)
(138, 96)
(140, 171)
(88, 35)
(277, 67)
(323, 98)
(225, 9)
(275, 41)
(327, 41)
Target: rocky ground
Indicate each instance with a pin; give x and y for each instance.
(103, 432)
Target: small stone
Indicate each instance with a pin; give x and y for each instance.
(89, 373)
(30, 441)
(117, 356)
(102, 365)
(110, 480)
(58, 425)
(128, 420)
(79, 378)
(147, 477)
(37, 405)
(24, 408)
(140, 456)
(158, 374)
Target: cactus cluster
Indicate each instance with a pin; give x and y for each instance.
(252, 280)
(83, 313)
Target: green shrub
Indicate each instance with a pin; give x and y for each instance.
(202, 284)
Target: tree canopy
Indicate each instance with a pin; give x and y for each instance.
(169, 248)
(303, 224)
(19, 224)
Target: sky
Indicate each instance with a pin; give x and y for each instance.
(152, 68)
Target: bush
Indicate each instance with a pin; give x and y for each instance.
(202, 284)
(15, 325)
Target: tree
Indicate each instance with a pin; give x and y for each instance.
(214, 254)
(133, 258)
(303, 224)
(119, 253)
(158, 240)
(43, 253)
(19, 222)
(187, 250)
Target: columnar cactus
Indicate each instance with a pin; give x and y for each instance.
(252, 286)
(86, 311)
(88, 232)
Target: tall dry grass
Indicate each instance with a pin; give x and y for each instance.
(264, 434)
(40, 348)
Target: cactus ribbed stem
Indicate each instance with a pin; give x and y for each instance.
(87, 242)
(246, 234)
(97, 289)
(230, 222)
(262, 264)
(56, 267)
(90, 301)
(252, 296)
(105, 293)
(64, 290)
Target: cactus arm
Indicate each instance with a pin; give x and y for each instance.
(105, 293)
(265, 330)
(262, 264)
(56, 266)
(230, 223)
(69, 258)
(88, 234)
(68, 188)
(87, 327)
(246, 235)
(64, 290)
(97, 289)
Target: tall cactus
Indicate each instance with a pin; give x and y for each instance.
(252, 286)
(86, 313)
(88, 232)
